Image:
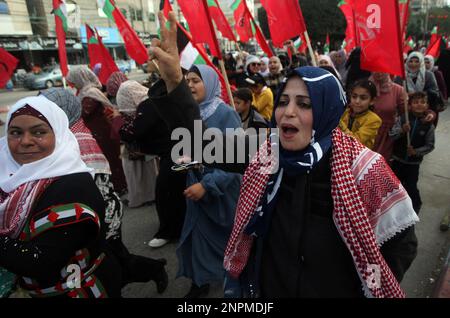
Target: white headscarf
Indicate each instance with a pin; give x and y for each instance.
(64, 160)
(419, 75)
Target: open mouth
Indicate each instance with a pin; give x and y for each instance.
(288, 129)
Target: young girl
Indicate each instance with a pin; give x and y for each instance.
(358, 119)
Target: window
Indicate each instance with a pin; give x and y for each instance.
(4, 9)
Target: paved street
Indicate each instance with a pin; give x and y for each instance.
(140, 224)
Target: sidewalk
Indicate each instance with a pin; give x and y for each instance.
(443, 285)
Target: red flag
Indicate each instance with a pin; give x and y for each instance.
(258, 33)
(60, 12)
(197, 16)
(350, 34)
(434, 38)
(8, 64)
(98, 53)
(183, 38)
(435, 49)
(262, 40)
(403, 6)
(378, 28)
(133, 44)
(242, 20)
(220, 20)
(285, 20)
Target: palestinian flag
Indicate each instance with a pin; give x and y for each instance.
(409, 45)
(326, 47)
(133, 44)
(60, 12)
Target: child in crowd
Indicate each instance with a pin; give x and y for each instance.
(407, 157)
(249, 116)
(358, 119)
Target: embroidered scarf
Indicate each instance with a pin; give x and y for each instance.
(90, 151)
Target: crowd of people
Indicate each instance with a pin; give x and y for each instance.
(312, 221)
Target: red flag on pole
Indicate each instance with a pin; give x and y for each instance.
(8, 64)
(260, 38)
(378, 28)
(196, 14)
(350, 35)
(285, 20)
(99, 54)
(242, 20)
(403, 6)
(183, 40)
(220, 20)
(434, 37)
(133, 44)
(60, 12)
(435, 49)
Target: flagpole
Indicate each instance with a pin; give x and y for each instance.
(408, 137)
(308, 43)
(220, 57)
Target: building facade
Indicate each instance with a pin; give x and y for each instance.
(27, 28)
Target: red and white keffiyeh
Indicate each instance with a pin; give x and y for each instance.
(15, 207)
(370, 207)
(90, 151)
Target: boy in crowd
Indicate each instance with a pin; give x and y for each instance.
(407, 158)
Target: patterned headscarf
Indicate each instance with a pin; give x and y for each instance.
(82, 76)
(113, 83)
(419, 75)
(212, 88)
(68, 102)
(130, 95)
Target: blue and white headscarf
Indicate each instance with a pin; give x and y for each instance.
(328, 101)
(212, 88)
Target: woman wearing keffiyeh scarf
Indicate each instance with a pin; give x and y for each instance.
(330, 220)
(135, 268)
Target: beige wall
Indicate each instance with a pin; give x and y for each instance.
(17, 22)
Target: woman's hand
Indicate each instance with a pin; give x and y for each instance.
(411, 152)
(406, 128)
(195, 192)
(166, 52)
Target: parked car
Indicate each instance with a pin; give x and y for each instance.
(49, 76)
(124, 66)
